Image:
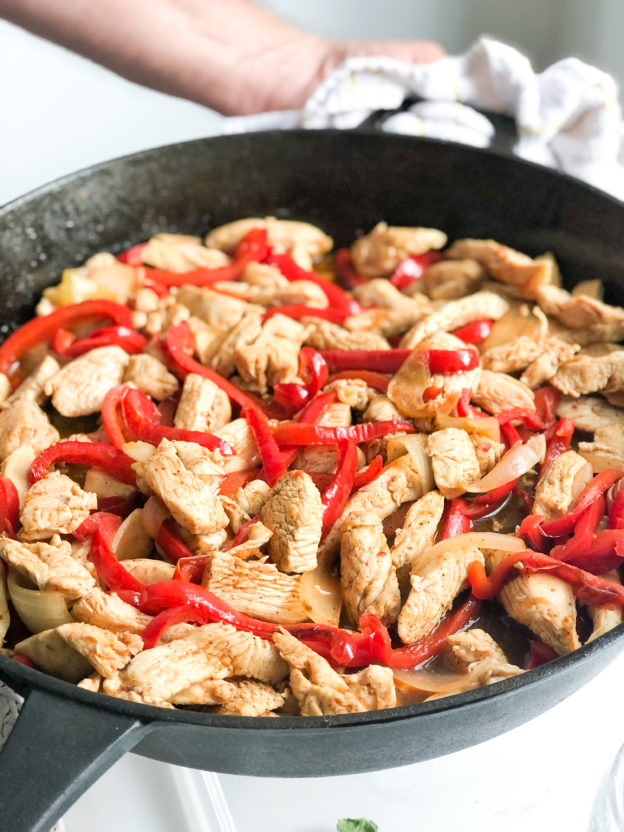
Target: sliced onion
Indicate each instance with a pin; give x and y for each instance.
(487, 426)
(516, 462)
(320, 594)
(425, 681)
(140, 451)
(39, 609)
(414, 444)
(154, 515)
(517, 321)
(599, 460)
(5, 615)
(132, 540)
(482, 540)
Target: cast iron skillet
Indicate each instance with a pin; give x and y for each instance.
(66, 737)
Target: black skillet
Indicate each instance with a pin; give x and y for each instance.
(66, 737)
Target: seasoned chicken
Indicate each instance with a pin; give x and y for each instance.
(487, 450)
(353, 392)
(148, 570)
(150, 376)
(380, 251)
(269, 354)
(33, 386)
(192, 501)
(252, 699)
(246, 503)
(454, 461)
(498, 391)
(240, 437)
(181, 253)
(538, 357)
(452, 279)
(255, 588)
(588, 413)
(220, 311)
(419, 529)
(16, 467)
(543, 603)
(585, 374)
(409, 385)
(78, 389)
(55, 504)
(294, 514)
(373, 687)
(455, 314)
(558, 490)
(475, 653)
(24, 423)
(505, 264)
(598, 321)
(323, 335)
(603, 618)
(203, 405)
(380, 409)
(208, 692)
(243, 653)
(319, 690)
(367, 574)
(436, 581)
(49, 567)
(297, 292)
(607, 449)
(381, 294)
(108, 611)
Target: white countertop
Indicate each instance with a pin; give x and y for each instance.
(60, 113)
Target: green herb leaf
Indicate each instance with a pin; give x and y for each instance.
(356, 825)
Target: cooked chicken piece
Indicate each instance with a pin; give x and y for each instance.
(246, 503)
(252, 699)
(239, 435)
(32, 387)
(419, 529)
(497, 391)
(436, 582)
(607, 449)
(319, 690)
(558, 490)
(584, 374)
(454, 461)
(170, 313)
(113, 686)
(319, 459)
(297, 292)
(380, 251)
(323, 335)
(588, 413)
(73, 651)
(215, 309)
(487, 450)
(350, 391)
(151, 377)
(583, 312)
(17, 468)
(539, 357)
(475, 653)
(259, 535)
(304, 241)
(203, 405)
(243, 653)
(166, 669)
(92, 683)
(408, 385)
(381, 294)
(145, 300)
(380, 409)
(208, 692)
(605, 619)
(24, 423)
(453, 279)
(367, 574)
(55, 504)
(98, 482)
(269, 354)
(149, 571)
(255, 588)
(294, 514)
(373, 687)
(506, 264)
(543, 603)
(5, 387)
(78, 389)
(385, 322)
(192, 501)
(181, 253)
(108, 611)
(49, 567)
(262, 274)
(455, 314)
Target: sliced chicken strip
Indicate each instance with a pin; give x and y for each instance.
(497, 391)
(243, 653)
(475, 653)
(453, 279)
(271, 355)
(538, 357)
(487, 450)
(455, 314)
(381, 294)
(589, 412)
(181, 253)
(558, 490)
(252, 699)
(585, 374)
(419, 530)
(79, 388)
(605, 619)
(454, 461)
(220, 311)
(150, 376)
(33, 386)
(208, 692)
(373, 687)
(323, 335)
(203, 406)
(286, 293)
(583, 312)
(24, 423)
(505, 264)
(55, 504)
(108, 611)
(379, 252)
(240, 437)
(49, 567)
(294, 513)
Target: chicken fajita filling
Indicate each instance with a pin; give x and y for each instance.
(251, 475)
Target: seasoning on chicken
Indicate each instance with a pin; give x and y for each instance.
(323, 335)
(181, 253)
(505, 264)
(252, 699)
(379, 252)
(108, 611)
(243, 653)
(475, 653)
(33, 386)
(373, 687)
(203, 406)
(78, 389)
(379, 293)
(498, 391)
(419, 529)
(452, 279)
(294, 514)
(48, 566)
(454, 461)
(558, 490)
(594, 320)
(268, 354)
(150, 376)
(455, 314)
(540, 358)
(55, 504)
(24, 423)
(586, 374)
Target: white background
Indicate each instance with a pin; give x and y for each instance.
(58, 113)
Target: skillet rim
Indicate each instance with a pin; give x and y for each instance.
(30, 678)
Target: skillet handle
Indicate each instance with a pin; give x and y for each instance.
(56, 750)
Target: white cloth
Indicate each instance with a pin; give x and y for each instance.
(567, 117)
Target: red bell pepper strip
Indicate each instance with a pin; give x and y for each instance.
(539, 654)
(339, 490)
(96, 454)
(496, 494)
(463, 403)
(132, 256)
(377, 381)
(370, 473)
(590, 589)
(191, 569)
(381, 361)
(311, 414)
(604, 553)
(254, 247)
(109, 569)
(167, 409)
(120, 506)
(185, 613)
(237, 479)
(455, 521)
(411, 269)
(522, 414)
(616, 515)
(272, 460)
(298, 311)
(62, 340)
(170, 543)
(589, 495)
(313, 370)
(558, 438)
(584, 530)
(510, 434)
(111, 415)
(128, 339)
(242, 535)
(432, 392)
(88, 526)
(531, 529)
(343, 264)
(474, 333)
(9, 507)
(20, 659)
(337, 297)
(295, 433)
(450, 362)
(43, 328)
(291, 397)
(546, 401)
(142, 419)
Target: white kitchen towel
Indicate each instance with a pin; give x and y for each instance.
(568, 117)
